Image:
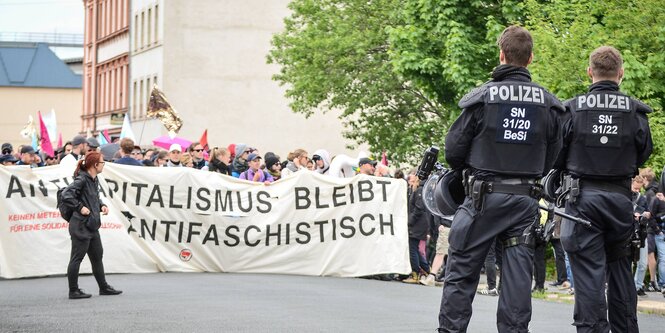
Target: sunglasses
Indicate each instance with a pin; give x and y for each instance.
(198, 150)
(48, 158)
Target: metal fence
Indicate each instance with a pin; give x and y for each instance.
(55, 39)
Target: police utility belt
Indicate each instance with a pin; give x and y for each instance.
(572, 186)
(476, 188)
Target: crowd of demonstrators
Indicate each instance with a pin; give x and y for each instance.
(233, 160)
(649, 207)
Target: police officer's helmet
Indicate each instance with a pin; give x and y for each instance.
(551, 185)
(444, 192)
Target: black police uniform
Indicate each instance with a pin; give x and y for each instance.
(606, 139)
(508, 135)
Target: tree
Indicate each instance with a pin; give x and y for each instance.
(566, 32)
(396, 68)
(334, 55)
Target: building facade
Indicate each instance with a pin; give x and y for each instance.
(210, 61)
(33, 78)
(105, 65)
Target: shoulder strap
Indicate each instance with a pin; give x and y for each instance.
(475, 96)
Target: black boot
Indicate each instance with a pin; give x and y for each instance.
(654, 286)
(108, 290)
(77, 294)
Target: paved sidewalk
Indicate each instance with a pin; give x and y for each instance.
(653, 303)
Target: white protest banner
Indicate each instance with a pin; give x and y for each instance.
(181, 219)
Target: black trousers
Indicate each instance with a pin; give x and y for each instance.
(503, 216)
(539, 269)
(85, 242)
(490, 266)
(560, 260)
(612, 223)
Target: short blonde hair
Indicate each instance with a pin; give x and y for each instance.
(647, 174)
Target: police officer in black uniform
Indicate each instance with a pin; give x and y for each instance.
(606, 139)
(507, 137)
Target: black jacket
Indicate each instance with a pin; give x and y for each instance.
(468, 125)
(419, 217)
(84, 192)
(219, 166)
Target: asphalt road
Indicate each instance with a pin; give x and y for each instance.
(210, 302)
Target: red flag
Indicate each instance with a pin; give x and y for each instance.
(106, 135)
(204, 140)
(384, 158)
(59, 140)
(45, 141)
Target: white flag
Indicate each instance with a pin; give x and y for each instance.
(51, 124)
(126, 131)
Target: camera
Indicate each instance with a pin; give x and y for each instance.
(429, 163)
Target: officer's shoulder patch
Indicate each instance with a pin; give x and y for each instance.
(642, 107)
(475, 96)
(554, 101)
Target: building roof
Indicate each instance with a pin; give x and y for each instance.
(34, 65)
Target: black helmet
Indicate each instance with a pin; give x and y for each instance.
(443, 193)
(551, 184)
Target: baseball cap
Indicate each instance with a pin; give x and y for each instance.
(92, 142)
(175, 146)
(8, 158)
(252, 157)
(79, 139)
(366, 160)
(27, 150)
(7, 148)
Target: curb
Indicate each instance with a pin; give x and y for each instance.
(643, 305)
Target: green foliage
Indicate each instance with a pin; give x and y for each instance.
(565, 33)
(396, 68)
(447, 47)
(334, 55)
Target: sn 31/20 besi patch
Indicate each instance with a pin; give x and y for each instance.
(516, 123)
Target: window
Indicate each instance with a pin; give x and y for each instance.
(156, 23)
(135, 101)
(142, 29)
(141, 108)
(136, 32)
(149, 25)
(147, 93)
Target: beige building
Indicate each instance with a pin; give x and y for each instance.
(32, 79)
(210, 61)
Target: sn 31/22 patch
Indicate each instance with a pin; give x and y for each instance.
(604, 129)
(516, 123)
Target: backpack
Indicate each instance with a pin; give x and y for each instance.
(65, 211)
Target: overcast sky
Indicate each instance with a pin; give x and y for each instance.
(63, 16)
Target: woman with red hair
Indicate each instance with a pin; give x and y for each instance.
(82, 195)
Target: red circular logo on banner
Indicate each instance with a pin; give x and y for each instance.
(185, 254)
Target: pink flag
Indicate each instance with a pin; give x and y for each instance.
(59, 140)
(106, 135)
(45, 142)
(384, 158)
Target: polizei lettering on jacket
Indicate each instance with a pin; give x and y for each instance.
(516, 93)
(603, 101)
